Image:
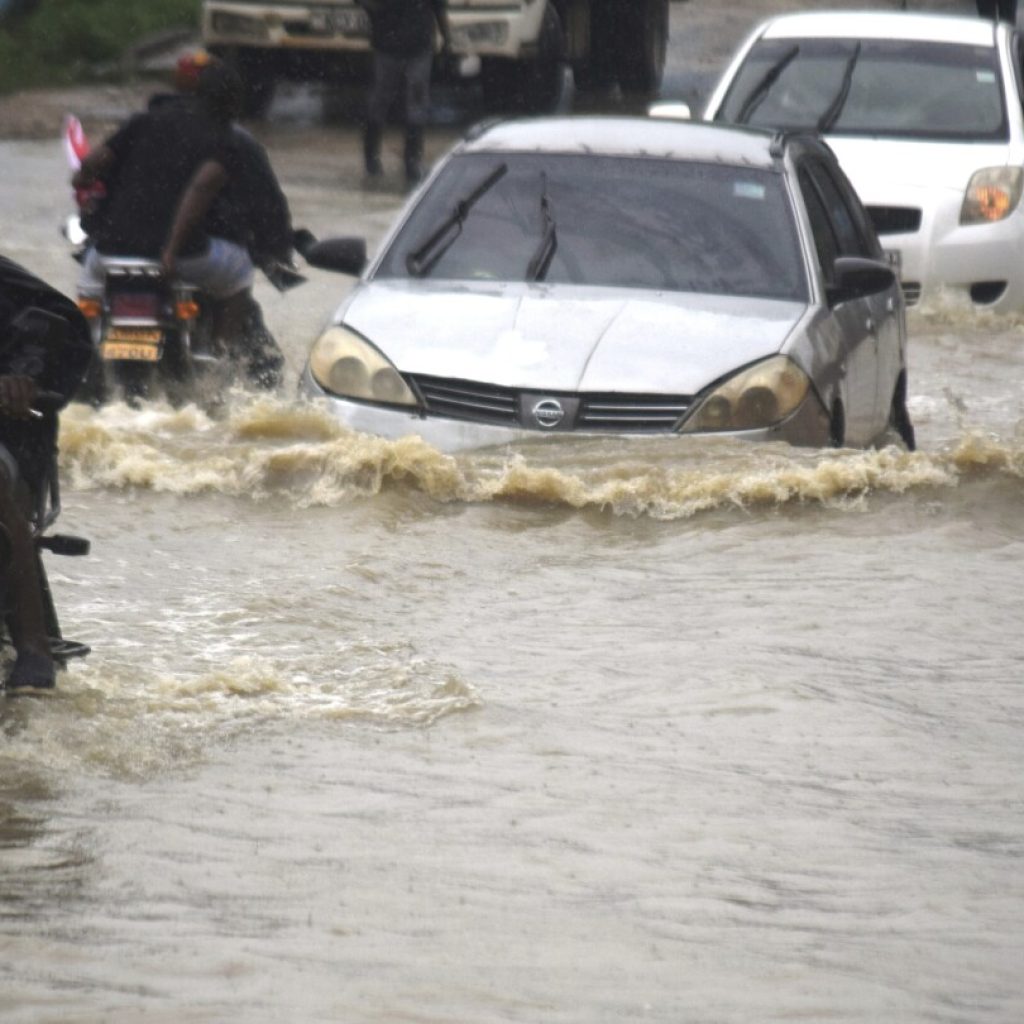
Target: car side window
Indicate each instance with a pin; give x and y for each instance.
(852, 240)
(825, 241)
(872, 247)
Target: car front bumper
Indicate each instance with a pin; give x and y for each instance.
(978, 266)
(807, 427)
(500, 30)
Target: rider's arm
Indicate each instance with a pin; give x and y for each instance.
(202, 190)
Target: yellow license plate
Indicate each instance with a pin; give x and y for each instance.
(141, 351)
(133, 334)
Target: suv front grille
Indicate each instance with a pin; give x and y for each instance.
(912, 292)
(895, 220)
(598, 413)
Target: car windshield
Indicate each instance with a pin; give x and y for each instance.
(604, 221)
(875, 87)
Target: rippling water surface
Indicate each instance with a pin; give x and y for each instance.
(577, 731)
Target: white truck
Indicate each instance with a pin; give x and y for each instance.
(523, 45)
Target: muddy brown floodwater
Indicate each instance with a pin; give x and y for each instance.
(593, 731)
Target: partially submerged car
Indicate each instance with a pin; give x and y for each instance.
(924, 113)
(622, 276)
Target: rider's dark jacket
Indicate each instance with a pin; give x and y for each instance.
(251, 209)
(156, 156)
(54, 352)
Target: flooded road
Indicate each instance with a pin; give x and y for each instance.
(585, 731)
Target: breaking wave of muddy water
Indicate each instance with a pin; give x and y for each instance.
(266, 448)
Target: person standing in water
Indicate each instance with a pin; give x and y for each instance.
(402, 37)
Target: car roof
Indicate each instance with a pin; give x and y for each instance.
(935, 28)
(628, 136)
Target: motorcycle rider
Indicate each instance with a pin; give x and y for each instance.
(166, 167)
(52, 360)
(252, 211)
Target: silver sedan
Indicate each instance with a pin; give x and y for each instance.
(624, 276)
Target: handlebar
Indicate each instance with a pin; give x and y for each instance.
(45, 403)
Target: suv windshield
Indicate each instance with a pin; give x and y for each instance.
(871, 87)
(658, 224)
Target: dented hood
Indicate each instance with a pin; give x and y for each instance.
(567, 338)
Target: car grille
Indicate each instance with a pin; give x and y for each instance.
(467, 400)
(600, 413)
(644, 413)
(895, 220)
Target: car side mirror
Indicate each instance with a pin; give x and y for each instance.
(673, 110)
(343, 255)
(854, 277)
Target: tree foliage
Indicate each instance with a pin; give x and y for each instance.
(60, 41)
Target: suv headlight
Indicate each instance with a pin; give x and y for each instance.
(992, 195)
(347, 365)
(757, 397)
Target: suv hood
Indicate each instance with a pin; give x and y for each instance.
(877, 166)
(567, 338)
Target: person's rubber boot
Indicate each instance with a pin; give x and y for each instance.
(32, 671)
(414, 172)
(372, 137)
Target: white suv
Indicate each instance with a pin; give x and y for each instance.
(925, 115)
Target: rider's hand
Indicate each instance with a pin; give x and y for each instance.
(16, 396)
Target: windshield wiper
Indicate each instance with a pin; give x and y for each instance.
(537, 269)
(421, 261)
(763, 87)
(835, 108)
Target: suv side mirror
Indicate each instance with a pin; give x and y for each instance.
(343, 255)
(854, 277)
(672, 110)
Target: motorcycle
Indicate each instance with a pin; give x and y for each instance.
(152, 334)
(43, 510)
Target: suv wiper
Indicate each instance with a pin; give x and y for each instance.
(763, 87)
(537, 269)
(835, 108)
(421, 261)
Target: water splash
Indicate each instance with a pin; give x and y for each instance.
(112, 716)
(266, 448)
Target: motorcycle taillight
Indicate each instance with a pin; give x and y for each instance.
(135, 304)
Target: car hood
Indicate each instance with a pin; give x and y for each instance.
(877, 167)
(566, 338)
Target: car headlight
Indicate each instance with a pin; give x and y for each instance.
(347, 365)
(466, 36)
(757, 397)
(992, 195)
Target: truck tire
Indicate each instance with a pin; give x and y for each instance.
(642, 38)
(530, 86)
